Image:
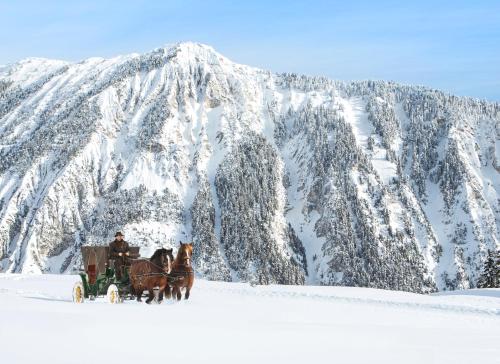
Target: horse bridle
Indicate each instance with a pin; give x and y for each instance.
(187, 258)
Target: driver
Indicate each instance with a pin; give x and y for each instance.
(119, 250)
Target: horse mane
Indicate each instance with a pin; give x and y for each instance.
(157, 253)
(178, 256)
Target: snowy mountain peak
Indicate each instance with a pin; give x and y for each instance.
(193, 48)
(275, 178)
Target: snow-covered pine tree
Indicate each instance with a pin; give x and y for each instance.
(490, 278)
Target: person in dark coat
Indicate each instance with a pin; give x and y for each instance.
(119, 250)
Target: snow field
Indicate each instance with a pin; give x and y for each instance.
(234, 322)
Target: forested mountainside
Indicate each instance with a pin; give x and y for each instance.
(276, 178)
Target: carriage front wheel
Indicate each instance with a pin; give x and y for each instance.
(78, 293)
(113, 295)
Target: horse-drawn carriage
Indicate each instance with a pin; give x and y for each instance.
(99, 278)
(157, 275)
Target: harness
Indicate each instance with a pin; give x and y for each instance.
(179, 274)
(151, 274)
(147, 260)
(172, 277)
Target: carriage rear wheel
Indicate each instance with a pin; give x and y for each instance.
(78, 293)
(113, 295)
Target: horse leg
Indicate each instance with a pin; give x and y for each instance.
(176, 292)
(139, 293)
(168, 291)
(188, 288)
(160, 295)
(151, 295)
(179, 293)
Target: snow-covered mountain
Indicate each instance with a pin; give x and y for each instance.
(276, 178)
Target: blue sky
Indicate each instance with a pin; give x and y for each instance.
(449, 45)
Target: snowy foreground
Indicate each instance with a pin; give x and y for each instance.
(237, 323)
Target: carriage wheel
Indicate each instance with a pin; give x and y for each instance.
(78, 293)
(113, 294)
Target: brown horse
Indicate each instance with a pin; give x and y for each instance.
(182, 274)
(148, 274)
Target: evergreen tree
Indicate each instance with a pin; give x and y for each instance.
(490, 278)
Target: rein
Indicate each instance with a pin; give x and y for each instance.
(155, 265)
(174, 274)
(152, 274)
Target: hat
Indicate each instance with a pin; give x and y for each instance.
(119, 233)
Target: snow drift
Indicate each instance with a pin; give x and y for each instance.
(234, 322)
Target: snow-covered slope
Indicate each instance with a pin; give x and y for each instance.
(275, 178)
(234, 322)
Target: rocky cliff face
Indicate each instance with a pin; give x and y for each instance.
(275, 178)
